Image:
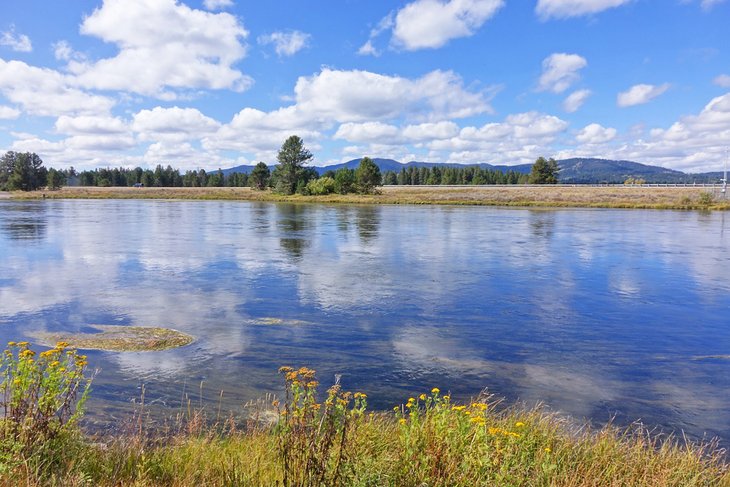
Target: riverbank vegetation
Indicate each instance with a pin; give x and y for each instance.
(313, 439)
(546, 196)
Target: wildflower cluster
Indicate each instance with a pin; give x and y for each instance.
(313, 436)
(41, 395)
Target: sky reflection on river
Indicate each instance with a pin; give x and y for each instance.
(594, 312)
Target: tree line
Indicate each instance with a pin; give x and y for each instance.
(543, 172)
(25, 171)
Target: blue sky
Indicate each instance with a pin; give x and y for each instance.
(216, 83)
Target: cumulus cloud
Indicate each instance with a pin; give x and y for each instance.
(595, 134)
(432, 23)
(722, 81)
(90, 125)
(16, 42)
(560, 71)
(640, 94)
(368, 132)
(173, 123)
(8, 113)
(547, 9)
(575, 100)
(63, 51)
(286, 43)
(163, 45)
(45, 92)
(354, 96)
(217, 4)
(261, 133)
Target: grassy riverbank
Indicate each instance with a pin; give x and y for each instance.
(539, 196)
(429, 441)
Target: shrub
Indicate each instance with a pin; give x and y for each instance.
(706, 199)
(42, 400)
(321, 186)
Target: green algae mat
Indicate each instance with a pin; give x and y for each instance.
(119, 338)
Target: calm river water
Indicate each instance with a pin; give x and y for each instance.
(597, 313)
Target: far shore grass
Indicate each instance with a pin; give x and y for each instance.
(677, 198)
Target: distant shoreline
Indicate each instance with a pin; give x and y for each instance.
(640, 197)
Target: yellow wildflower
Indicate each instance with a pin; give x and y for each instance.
(458, 408)
(422, 397)
(435, 390)
(61, 345)
(16, 382)
(284, 370)
(23, 344)
(446, 398)
(547, 450)
(519, 424)
(396, 408)
(11, 344)
(402, 421)
(55, 363)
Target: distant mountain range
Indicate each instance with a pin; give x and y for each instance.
(576, 170)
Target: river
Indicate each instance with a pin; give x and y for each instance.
(595, 313)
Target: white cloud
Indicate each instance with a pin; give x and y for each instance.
(560, 71)
(722, 81)
(286, 43)
(163, 45)
(63, 51)
(8, 113)
(694, 143)
(45, 92)
(173, 123)
(355, 96)
(426, 24)
(374, 132)
(368, 49)
(430, 131)
(386, 23)
(546, 9)
(217, 4)
(261, 133)
(90, 125)
(575, 100)
(520, 138)
(16, 42)
(595, 134)
(640, 94)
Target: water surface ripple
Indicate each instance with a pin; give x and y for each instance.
(597, 313)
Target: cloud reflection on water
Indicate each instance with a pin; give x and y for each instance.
(568, 307)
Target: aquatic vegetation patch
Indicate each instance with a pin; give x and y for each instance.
(270, 321)
(119, 338)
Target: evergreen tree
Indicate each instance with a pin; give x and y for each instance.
(344, 180)
(55, 179)
(544, 172)
(292, 156)
(367, 176)
(260, 176)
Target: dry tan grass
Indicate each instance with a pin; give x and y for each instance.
(546, 196)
